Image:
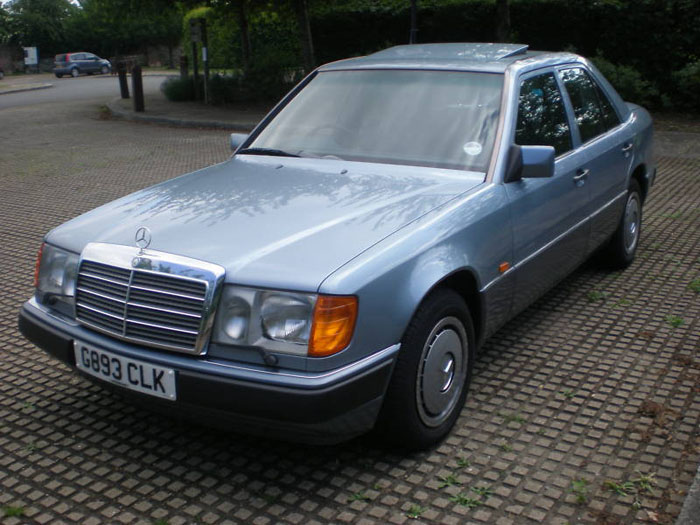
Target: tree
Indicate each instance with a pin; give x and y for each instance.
(40, 23)
(503, 21)
(305, 39)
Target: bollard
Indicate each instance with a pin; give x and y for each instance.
(137, 88)
(184, 72)
(123, 85)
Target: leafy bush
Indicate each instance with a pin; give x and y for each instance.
(687, 85)
(629, 83)
(178, 89)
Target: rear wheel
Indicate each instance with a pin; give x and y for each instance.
(59, 75)
(74, 72)
(620, 251)
(432, 373)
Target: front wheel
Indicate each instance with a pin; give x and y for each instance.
(59, 75)
(620, 251)
(104, 70)
(432, 373)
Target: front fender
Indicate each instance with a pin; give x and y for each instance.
(470, 233)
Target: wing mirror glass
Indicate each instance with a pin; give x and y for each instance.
(237, 139)
(529, 162)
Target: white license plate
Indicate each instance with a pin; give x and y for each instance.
(129, 373)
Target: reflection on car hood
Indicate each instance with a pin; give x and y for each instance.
(277, 222)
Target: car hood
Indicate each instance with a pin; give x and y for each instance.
(272, 222)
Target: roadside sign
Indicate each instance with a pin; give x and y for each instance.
(31, 56)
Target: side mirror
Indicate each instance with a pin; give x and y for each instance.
(237, 139)
(529, 162)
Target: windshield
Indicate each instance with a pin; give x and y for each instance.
(442, 119)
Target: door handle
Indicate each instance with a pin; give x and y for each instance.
(627, 148)
(581, 175)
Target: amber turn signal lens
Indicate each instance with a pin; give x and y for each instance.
(333, 324)
(37, 265)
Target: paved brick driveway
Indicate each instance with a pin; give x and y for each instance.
(592, 394)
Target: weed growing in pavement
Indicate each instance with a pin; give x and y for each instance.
(160, 521)
(695, 285)
(13, 512)
(622, 302)
(506, 447)
(512, 418)
(675, 215)
(358, 496)
(579, 487)
(567, 393)
(465, 501)
(484, 492)
(595, 295)
(448, 481)
(28, 405)
(674, 320)
(462, 462)
(415, 511)
(624, 488)
(644, 484)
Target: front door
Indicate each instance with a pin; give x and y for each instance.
(550, 226)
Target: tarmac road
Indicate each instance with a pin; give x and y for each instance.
(68, 89)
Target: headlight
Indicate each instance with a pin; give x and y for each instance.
(56, 278)
(286, 322)
(287, 317)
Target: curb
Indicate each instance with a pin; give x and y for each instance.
(20, 90)
(185, 123)
(690, 513)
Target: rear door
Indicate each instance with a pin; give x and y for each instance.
(605, 150)
(550, 225)
(91, 63)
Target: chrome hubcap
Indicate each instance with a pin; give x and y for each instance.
(631, 224)
(442, 371)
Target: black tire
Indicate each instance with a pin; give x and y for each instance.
(622, 247)
(415, 416)
(104, 70)
(59, 75)
(74, 72)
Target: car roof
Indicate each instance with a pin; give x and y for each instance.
(485, 57)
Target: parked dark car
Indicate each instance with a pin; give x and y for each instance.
(74, 64)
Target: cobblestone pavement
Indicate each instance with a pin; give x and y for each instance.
(585, 408)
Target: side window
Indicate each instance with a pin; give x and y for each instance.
(541, 115)
(610, 118)
(594, 112)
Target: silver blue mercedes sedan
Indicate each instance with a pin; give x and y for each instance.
(341, 270)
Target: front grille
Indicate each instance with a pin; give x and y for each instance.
(147, 307)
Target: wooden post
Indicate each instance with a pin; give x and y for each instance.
(137, 88)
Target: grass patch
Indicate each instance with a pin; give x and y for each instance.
(415, 511)
(512, 418)
(358, 496)
(448, 481)
(579, 487)
(484, 492)
(463, 462)
(567, 393)
(695, 285)
(465, 501)
(13, 511)
(596, 295)
(674, 320)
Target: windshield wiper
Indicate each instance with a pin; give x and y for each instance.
(266, 151)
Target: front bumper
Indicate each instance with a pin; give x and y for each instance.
(312, 407)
